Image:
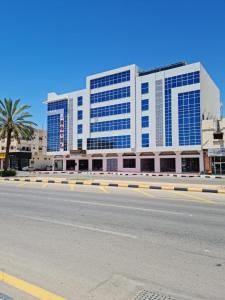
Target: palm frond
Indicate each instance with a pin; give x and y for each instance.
(14, 121)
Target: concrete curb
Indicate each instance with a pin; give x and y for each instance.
(132, 174)
(113, 184)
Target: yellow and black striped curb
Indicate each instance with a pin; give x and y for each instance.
(120, 184)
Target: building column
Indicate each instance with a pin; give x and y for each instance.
(157, 163)
(89, 164)
(76, 164)
(138, 163)
(104, 164)
(64, 164)
(201, 162)
(178, 163)
(120, 162)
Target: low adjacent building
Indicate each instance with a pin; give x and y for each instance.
(26, 153)
(213, 136)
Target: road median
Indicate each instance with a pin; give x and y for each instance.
(128, 184)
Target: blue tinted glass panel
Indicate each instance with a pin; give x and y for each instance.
(79, 129)
(110, 79)
(173, 82)
(144, 88)
(80, 115)
(109, 142)
(110, 125)
(110, 95)
(144, 104)
(145, 140)
(110, 110)
(189, 118)
(80, 101)
(145, 121)
(52, 125)
(79, 144)
(53, 133)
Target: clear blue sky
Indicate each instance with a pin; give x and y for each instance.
(52, 45)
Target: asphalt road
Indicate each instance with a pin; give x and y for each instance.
(142, 178)
(87, 242)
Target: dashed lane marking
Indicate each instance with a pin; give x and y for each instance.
(104, 190)
(44, 185)
(72, 187)
(195, 197)
(141, 191)
(21, 184)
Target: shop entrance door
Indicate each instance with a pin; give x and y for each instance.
(112, 165)
(97, 165)
(220, 168)
(223, 168)
(83, 165)
(217, 168)
(70, 165)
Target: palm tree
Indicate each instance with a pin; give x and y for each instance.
(14, 122)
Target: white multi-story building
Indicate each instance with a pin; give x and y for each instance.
(132, 120)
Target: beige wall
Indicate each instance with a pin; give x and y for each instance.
(37, 146)
(208, 128)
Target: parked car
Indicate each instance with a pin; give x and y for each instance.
(25, 168)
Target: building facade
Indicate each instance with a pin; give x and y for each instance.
(132, 120)
(213, 136)
(26, 153)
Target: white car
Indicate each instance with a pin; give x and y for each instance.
(25, 168)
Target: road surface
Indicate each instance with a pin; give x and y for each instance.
(89, 242)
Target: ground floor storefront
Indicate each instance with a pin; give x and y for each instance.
(17, 160)
(170, 162)
(215, 161)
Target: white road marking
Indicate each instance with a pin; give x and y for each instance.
(80, 226)
(122, 206)
(112, 205)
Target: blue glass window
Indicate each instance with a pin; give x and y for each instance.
(80, 115)
(145, 121)
(144, 104)
(116, 109)
(145, 140)
(53, 125)
(144, 88)
(53, 133)
(79, 144)
(110, 79)
(110, 95)
(109, 142)
(189, 118)
(79, 101)
(79, 128)
(110, 125)
(173, 82)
